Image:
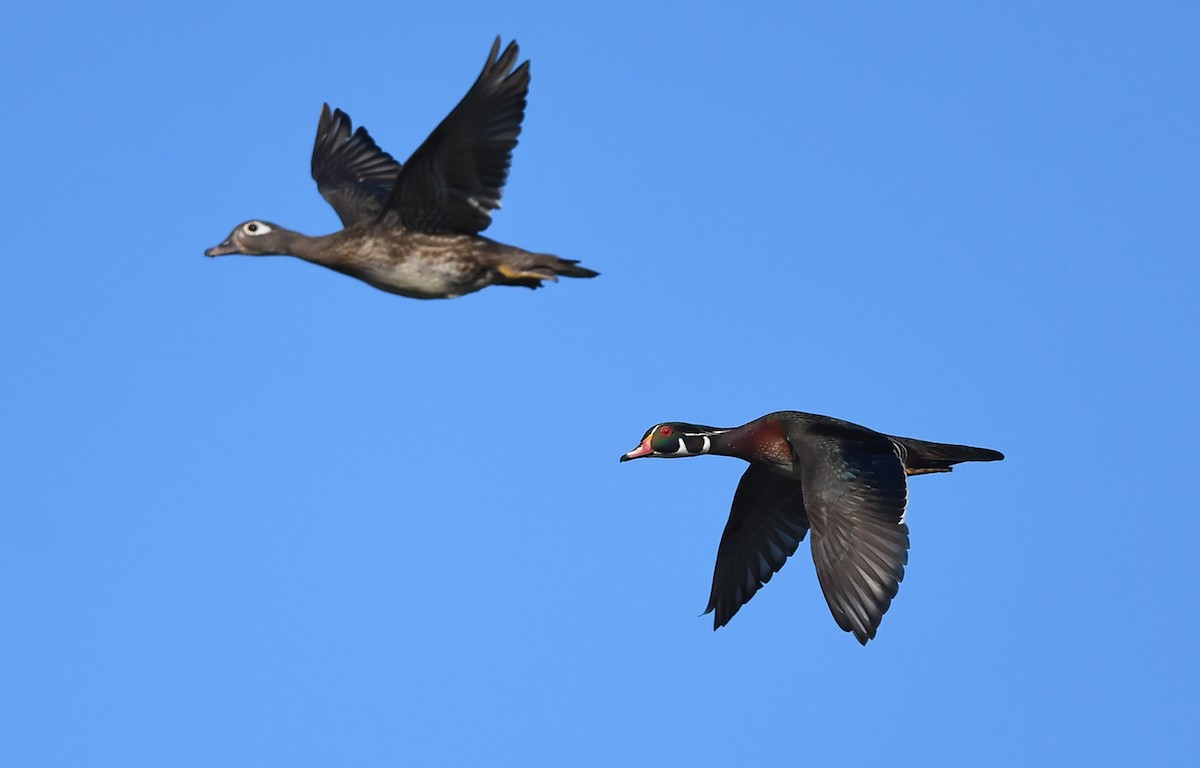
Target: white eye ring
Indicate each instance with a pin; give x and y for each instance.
(256, 228)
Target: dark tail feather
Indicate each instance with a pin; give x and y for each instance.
(530, 269)
(571, 268)
(921, 456)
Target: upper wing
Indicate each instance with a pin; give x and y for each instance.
(352, 173)
(452, 182)
(855, 494)
(766, 525)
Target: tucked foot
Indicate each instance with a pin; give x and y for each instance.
(531, 278)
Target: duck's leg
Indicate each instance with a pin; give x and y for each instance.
(514, 275)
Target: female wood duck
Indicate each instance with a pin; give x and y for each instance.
(844, 481)
(414, 229)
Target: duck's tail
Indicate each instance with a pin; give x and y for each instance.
(921, 457)
(530, 270)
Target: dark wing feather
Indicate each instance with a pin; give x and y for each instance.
(855, 494)
(452, 183)
(766, 525)
(352, 173)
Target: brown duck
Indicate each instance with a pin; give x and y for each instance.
(414, 229)
(845, 482)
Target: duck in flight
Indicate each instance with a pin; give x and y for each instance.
(413, 229)
(844, 482)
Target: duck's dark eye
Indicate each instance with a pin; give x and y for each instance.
(666, 431)
(251, 227)
(255, 228)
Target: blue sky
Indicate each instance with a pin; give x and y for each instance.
(253, 512)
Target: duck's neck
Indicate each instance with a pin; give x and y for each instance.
(762, 440)
(309, 248)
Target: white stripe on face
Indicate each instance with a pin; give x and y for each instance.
(683, 451)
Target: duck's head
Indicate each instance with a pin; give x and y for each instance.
(674, 439)
(254, 238)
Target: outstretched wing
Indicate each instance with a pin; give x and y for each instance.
(452, 183)
(352, 173)
(765, 526)
(855, 495)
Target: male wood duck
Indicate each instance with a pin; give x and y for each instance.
(414, 229)
(845, 482)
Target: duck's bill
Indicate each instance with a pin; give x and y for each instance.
(642, 450)
(224, 249)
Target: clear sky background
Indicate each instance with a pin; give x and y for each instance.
(255, 513)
